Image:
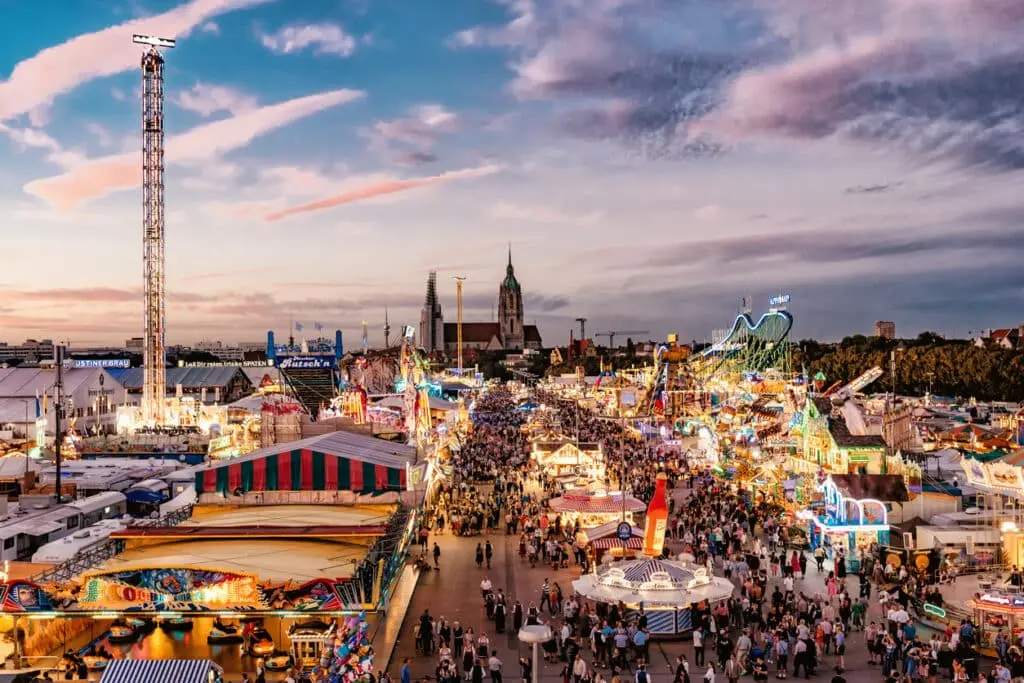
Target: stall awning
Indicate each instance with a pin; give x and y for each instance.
(595, 504)
(634, 543)
(157, 671)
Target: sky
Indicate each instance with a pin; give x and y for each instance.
(651, 163)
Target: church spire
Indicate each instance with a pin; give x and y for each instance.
(509, 254)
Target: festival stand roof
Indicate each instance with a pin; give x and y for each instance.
(158, 671)
(587, 504)
(338, 461)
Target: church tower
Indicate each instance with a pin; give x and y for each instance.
(510, 309)
(431, 319)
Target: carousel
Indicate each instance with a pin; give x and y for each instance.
(667, 591)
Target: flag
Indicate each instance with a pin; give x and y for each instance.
(318, 327)
(298, 327)
(39, 413)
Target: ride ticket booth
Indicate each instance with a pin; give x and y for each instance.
(997, 611)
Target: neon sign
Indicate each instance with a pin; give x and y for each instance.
(306, 363)
(779, 300)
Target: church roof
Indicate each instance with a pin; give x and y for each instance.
(472, 333)
(531, 334)
(510, 282)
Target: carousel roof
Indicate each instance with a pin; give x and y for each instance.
(653, 582)
(648, 570)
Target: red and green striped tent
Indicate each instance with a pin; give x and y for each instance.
(339, 461)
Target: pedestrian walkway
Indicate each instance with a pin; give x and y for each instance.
(453, 592)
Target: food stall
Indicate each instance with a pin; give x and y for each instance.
(996, 611)
(567, 458)
(594, 509)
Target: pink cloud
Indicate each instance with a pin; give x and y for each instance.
(98, 177)
(104, 295)
(380, 189)
(35, 82)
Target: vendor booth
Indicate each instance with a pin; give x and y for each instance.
(566, 458)
(994, 612)
(606, 538)
(595, 509)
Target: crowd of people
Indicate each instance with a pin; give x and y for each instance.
(778, 620)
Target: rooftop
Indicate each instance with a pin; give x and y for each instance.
(188, 378)
(32, 382)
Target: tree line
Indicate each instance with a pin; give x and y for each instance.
(927, 363)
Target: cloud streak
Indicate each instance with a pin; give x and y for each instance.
(35, 82)
(381, 189)
(325, 39)
(206, 100)
(99, 177)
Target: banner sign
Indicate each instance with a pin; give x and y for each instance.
(305, 362)
(180, 590)
(98, 363)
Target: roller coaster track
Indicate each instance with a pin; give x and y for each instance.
(755, 347)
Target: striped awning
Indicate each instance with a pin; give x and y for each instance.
(157, 671)
(595, 504)
(634, 543)
(300, 469)
(639, 572)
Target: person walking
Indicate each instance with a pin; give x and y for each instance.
(437, 555)
(494, 666)
(545, 596)
(488, 553)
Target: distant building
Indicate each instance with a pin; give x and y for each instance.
(31, 351)
(885, 329)
(508, 333)
(1002, 338)
(432, 329)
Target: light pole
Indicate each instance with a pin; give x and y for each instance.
(458, 294)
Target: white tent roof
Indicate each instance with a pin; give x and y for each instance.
(29, 382)
(17, 410)
(14, 466)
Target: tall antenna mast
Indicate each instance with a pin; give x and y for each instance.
(387, 330)
(154, 359)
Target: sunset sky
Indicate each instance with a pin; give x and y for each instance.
(650, 161)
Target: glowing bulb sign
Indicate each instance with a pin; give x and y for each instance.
(162, 587)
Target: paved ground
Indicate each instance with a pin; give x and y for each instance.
(454, 592)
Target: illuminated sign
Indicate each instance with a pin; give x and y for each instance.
(305, 363)
(410, 333)
(1002, 600)
(99, 363)
(227, 364)
(779, 300)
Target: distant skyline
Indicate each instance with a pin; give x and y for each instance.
(651, 161)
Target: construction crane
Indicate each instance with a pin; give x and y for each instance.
(618, 333)
(583, 327)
